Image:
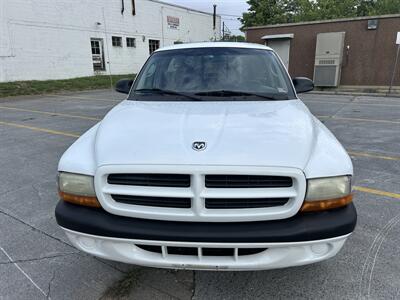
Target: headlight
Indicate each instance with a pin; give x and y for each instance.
(327, 193)
(77, 189)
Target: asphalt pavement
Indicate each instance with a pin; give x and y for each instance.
(38, 262)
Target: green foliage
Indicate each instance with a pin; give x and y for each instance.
(260, 11)
(235, 38)
(55, 86)
(383, 7)
(267, 12)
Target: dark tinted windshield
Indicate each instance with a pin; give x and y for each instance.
(213, 74)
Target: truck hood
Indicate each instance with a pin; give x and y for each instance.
(261, 133)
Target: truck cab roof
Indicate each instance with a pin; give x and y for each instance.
(214, 45)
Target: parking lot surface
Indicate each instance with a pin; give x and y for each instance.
(38, 262)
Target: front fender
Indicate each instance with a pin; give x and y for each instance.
(80, 157)
(328, 158)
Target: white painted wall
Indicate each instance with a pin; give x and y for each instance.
(50, 39)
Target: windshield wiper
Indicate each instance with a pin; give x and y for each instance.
(227, 93)
(168, 92)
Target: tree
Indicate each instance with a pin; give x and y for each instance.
(263, 12)
(268, 12)
(235, 38)
(382, 7)
(333, 9)
(300, 10)
(365, 7)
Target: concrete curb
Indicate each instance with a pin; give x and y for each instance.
(355, 94)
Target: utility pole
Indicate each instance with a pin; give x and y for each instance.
(223, 31)
(394, 69)
(215, 17)
(215, 21)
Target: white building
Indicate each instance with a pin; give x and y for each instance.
(57, 39)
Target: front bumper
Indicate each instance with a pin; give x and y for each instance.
(303, 239)
(277, 255)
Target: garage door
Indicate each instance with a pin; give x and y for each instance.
(282, 47)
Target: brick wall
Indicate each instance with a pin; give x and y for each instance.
(369, 62)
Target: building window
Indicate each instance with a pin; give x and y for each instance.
(116, 41)
(153, 45)
(131, 42)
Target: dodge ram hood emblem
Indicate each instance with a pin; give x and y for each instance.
(199, 146)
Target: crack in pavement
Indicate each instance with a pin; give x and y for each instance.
(127, 285)
(34, 228)
(37, 259)
(194, 286)
(106, 263)
(49, 286)
(4, 193)
(23, 272)
(343, 107)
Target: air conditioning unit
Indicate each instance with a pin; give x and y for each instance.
(328, 59)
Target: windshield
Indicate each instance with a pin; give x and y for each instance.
(212, 74)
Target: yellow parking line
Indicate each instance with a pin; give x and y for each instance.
(84, 98)
(69, 134)
(353, 153)
(359, 119)
(354, 103)
(74, 135)
(50, 113)
(376, 192)
(99, 119)
(356, 153)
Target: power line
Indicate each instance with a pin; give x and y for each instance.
(236, 16)
(231, 19)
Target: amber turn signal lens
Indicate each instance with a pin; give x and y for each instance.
(80, 200)
(326, 204)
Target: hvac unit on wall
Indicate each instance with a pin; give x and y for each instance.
(328, 59)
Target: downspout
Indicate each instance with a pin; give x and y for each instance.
(10, 42)
(122, 7)
(162, 25)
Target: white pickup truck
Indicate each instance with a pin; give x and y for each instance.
(212, 162)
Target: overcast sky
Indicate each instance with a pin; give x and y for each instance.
(224, 7)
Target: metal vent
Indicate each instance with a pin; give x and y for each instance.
(372, 24)
(326, 61)
(325, 75)
(191, 251)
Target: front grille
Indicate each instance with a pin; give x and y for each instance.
(153, 201)
(161, 180)
(201, 193)
(219, 203)
(247, 181)
(192, 251)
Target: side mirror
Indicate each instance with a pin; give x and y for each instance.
(124, 86)
(303, 84)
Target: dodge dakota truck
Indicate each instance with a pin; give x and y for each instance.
(212, 162)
